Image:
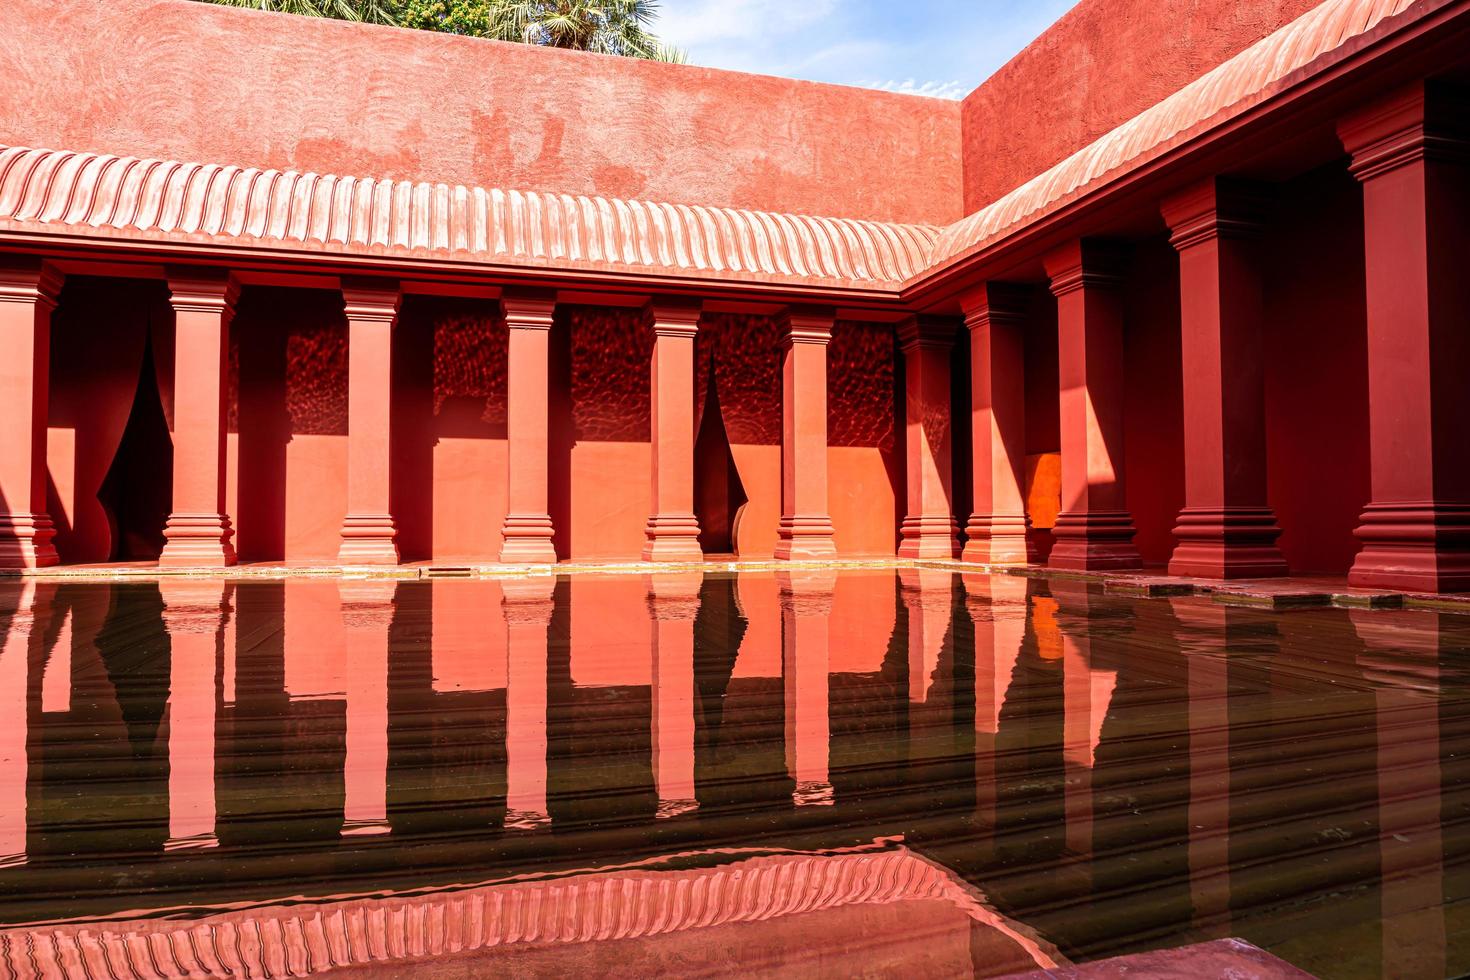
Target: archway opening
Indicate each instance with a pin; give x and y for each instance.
(718, 492)
(137, 492)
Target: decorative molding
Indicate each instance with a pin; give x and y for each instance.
(30, 282)
(995, 303)
(676, 316)
(529, 309)
(1218, 207)
(926, 332)
(1086, 263)
(807, 325)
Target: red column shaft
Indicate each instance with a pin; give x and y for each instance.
(1411, 152)
(929, 529)
(673, 532)
(528, 528)
(673, 602)
(1226, 529)
(996, 534)
(806, 522)
(368, 533)
(1094, 529)
(28, 292)
(198, 531)
(806, 606)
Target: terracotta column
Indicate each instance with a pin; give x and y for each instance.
(367, 616)
(28, 291)
(929, 529)
(1094, 529)
(1411, 151)
(929, 603)
(198, 531)
(673, 602)
(527, 528)
(1226, 529)
(368, 533)
(996, 534)
(806, 524)
(15, 656)
(195, 612)
(673, 532)
(806, 605)
(528, 606)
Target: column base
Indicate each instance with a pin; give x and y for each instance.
(672, 537)
(1094, 541)
(1227, 543)
(368, 539)
(1416, 547)
(998, 539)
(929, 537)
(527, 540)
(25, 541)
(806, 538)
(198, 541)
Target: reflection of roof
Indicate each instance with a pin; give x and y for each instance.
(105, 196)
(302, 937)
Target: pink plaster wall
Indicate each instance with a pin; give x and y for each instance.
(192, 81)
(1100, 65)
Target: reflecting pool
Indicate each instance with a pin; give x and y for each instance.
(907, 772)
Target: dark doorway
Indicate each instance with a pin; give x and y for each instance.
(718, 492)
(137, 492)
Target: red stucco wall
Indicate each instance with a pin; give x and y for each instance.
(192, 81)
(1101, 64)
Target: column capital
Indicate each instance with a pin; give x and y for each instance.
(29, 281)
(994, 302)
(925, 332)
(1088, 262)
(807, 325)
(528, 309)
(194, 289)
(1423, 121)
(673, 316)
(371, 300)
(1218, 207)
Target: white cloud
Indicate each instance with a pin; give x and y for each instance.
(931, 88)
(691, 24)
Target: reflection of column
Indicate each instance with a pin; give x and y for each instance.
(673, 532)
(1411, 152)
(198, 531)
(28, 291)
(997, 607)
(1409, 780)
(367, 614)
(1226, 529)
(195, 613)
(1205, 633)
(1094, 529)
(928, 598)
(56, 675)
(996, 534)
(929, 529)
(528, 607)
(806, 604)
(527, 529)
(673, 602)
(1086, 696)
(15, 647)
(368, 533)
(806, 521)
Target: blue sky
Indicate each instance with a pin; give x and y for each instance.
(934, 47)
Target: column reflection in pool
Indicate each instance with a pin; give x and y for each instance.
(806, 604)
(195, 612)
(927, 597)
(997, 605)
(367, 615)
(673, 602)
(1086, 695)
(528, 606)
(14, 760)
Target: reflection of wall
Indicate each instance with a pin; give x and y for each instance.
(863, 468)
(98, 333)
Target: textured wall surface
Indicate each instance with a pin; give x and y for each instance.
(1101, 64)
(197, 83)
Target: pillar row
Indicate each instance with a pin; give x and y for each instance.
(528, 528)
(673, 531)
(1411, 153)
(805, 530)
(198, 532)
(996, 533)
(929, 529)
(1226, 529)
(28, 292)
(1094, 529)
(369, 535)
